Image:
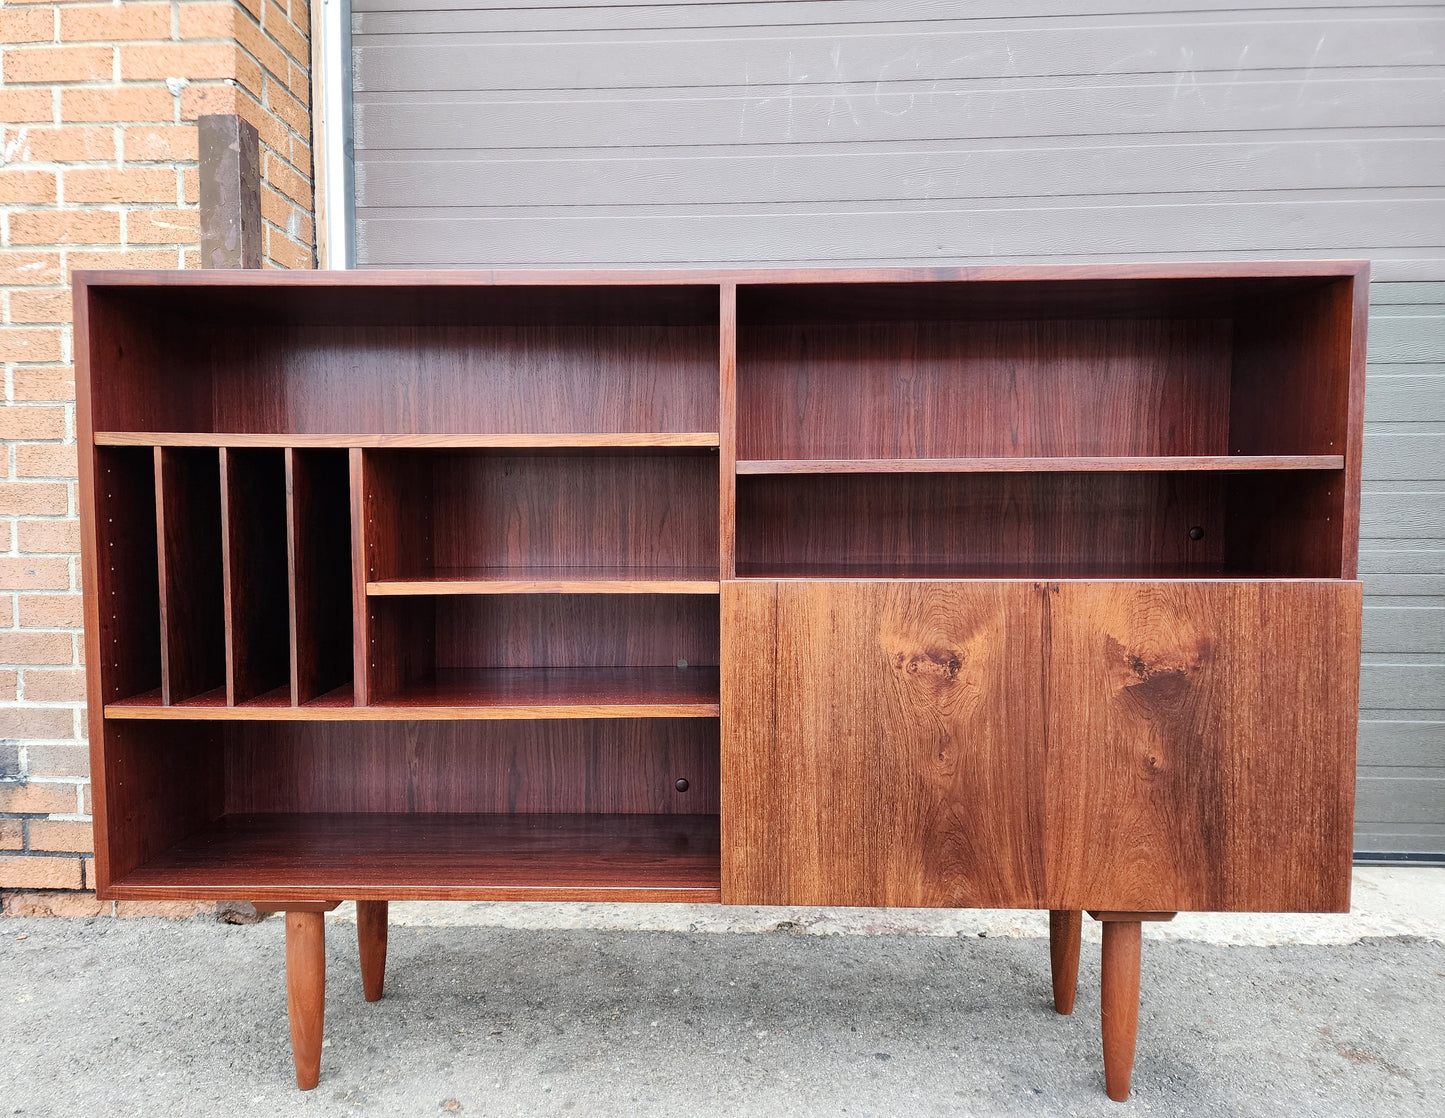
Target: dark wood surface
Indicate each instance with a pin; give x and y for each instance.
(126, 651)
(874, 389)
(620, 766)
(1041, 465)
(552, 580)
(371, 945)
(1119, 970)
(1065, 938)
(318, 549)
(567, 440)
(1214, 725)
(882, 744)
(189, 527)
(306, 992)
(254, 564)
(591, 857)
(592, 692)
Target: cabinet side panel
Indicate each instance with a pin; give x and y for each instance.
(1201, 742)
(881, 744)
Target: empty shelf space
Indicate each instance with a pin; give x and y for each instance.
(1043, 465)
(628, 692)
(893, 572)
(561, 440)
(553, 580)
(211, 706)
(279, 856)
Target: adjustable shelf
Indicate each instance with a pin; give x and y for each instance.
(1043, 465)
(554, 580)
(521, 440)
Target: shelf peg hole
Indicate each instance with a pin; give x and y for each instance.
(1196, 533)
(682, 663)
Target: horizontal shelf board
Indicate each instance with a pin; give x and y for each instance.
(631, 692)
(500, 441)
(954, 572)
(553, 580)
(1041, 465)
(441, 856)
(494, 693)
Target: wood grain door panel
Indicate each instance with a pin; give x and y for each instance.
(1201, 744)
(882, 743)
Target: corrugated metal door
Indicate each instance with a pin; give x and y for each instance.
(578, 132)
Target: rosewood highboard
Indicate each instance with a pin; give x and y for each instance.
(1026, 587)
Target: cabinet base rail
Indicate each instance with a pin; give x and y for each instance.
(1119, 977)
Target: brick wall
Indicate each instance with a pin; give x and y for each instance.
(98, 170)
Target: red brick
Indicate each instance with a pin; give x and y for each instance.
(293, 112)
(19, 647)
(292, 40)
(286, 253)
(37, 722)
(26, 26)
(298, 81)
(133, 184)
(191, 186)
(26, 104)
(43, 384)
(71, 144)
(171, 910)
(65, 227)
(29, 344)
(164, 142)
(125, 258)
(12, 834)
(26, 187)
(137, 103)
(53, 904)
(28, 573)
(254, 7)
(271, 57)
(57, 64)
(59, 760)
(163, 227)
(45, 460)
(208, 21)
(22, 798)
(40, 306)
(49, 537)
(64, 686)
(33, 498)
(31, 871)
(158, 61)
(29, 421)
(28, 268)
(60, 835)
(85, 800)
(9, 684)
(117, 23)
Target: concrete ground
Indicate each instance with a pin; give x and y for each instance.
(524, 1010)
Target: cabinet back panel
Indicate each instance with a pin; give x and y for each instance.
(253, 502)
(548, 510)
(981, 524)
(193, 626)
(607, 765)
(983, 389)
(128, 589)
(576, 630)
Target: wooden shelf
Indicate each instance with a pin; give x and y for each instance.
(428, 441)
(465, 694)
(1042, 465)
(595, 857)
(553, 580)
(920, 572)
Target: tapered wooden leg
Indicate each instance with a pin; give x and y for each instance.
(1066, 926)
(306, 992)
(371, 938)
(1120, 1002)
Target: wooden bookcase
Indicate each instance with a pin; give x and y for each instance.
(998, 587)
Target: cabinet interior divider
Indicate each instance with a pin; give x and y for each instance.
(188, 546)
(253, 504)
(318, 549)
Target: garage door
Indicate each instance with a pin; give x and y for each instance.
(894, 132)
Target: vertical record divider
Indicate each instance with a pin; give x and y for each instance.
(188, 546)
(360, 620)
(727, 430)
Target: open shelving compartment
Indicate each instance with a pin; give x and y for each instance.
(451, 552)
(1111, 428)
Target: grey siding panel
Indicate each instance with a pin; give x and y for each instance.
(591, 132)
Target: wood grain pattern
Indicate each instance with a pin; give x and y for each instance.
(517, 441)
(727, 425)
(126, 598)
(592, 692)
(1065, 932)
(1201, 745)
(254, 572)
(306, 992)
(552, 580)
(318, 548)
(371, 944)
(1042, 465)
(614, 766)
(882, 745)
(1119, 1003)
(189, 527)
(367, 856)
(941, 389)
